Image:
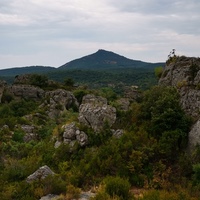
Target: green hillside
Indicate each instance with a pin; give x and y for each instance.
(103, 59)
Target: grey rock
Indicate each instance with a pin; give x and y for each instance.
(59, 101)
(41, 173)
(86, 195)
(117, 133)
(28, 92)
(194, 136)
(94, 112)
(30, 132)
(184, 74)
(72, 134)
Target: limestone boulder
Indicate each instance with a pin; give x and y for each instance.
(41, 173)
(94, 112)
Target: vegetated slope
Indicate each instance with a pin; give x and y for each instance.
(25, 70)
(103, 59)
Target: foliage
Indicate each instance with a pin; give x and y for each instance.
(116, 186)
(158, 71)
(196, 176)
(39, 80)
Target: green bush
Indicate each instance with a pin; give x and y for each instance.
(196, 176)
(116, 186)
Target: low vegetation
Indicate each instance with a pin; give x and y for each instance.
(150, 155)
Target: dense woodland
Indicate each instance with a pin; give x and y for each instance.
(150, 156)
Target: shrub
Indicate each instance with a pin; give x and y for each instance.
(116, 186)
(196, 176)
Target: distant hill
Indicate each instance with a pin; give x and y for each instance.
(25, 70)
(103, 59)
(99, 69)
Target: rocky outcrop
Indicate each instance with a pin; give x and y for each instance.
(184, 74)
(23, 79)
(41, 173)
(72, 134)
(94, 112)
(132, 93)
(27, 92)
(58, 101)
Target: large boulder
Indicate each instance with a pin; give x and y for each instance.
(41, 173)
(58, 101)
(94, 112)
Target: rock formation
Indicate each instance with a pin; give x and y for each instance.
(183, 73)
(71, 134)
(94, 112)
(27, 92)
(41, 173)
(58, 101)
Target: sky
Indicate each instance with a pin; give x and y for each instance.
(54, 32)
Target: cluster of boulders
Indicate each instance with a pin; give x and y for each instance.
(184, 74)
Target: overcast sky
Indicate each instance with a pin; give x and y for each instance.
(53, 32)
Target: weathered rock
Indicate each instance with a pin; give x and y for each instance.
(41, 173)
(59, 101)
(117, 133)
(23, 79)
(94, 112)
(132, 93)
(30, 132)
(28, 92)
(194, 136)
(72, 134)
(184, 74)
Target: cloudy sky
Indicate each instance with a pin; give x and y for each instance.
(53, 32)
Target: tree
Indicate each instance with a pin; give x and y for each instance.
(69, 82)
